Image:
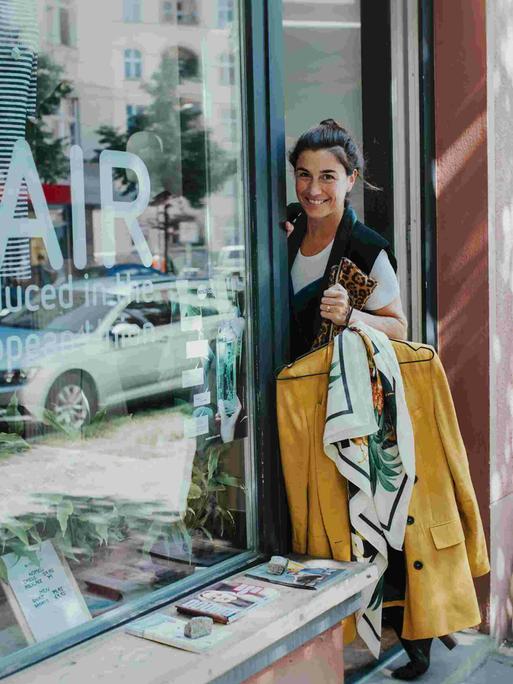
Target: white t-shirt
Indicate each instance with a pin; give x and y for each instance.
(306, 270)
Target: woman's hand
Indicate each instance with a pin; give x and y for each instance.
(288, 227)
(335, 304)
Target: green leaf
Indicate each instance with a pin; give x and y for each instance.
(12, 411)
(228, 480)
(194, 491)
(12, 443)
(3, 571)
(213, 462)
(64, 510)
(50, 419)
(17, 531)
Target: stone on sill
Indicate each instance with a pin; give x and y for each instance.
(198, 627)
(277, 565)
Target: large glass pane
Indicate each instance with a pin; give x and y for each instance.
(124, 457)
(322, 64)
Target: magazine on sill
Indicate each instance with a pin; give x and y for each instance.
(226, 601)
(307, 575)
(168, 630)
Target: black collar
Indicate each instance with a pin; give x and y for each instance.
(339, 250)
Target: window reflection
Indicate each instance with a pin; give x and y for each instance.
(123, 381)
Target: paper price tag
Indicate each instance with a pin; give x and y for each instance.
(195, 426)
(197, 349)
(201, 399)
(193, 377)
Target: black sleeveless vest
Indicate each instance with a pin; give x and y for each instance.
(353, 240)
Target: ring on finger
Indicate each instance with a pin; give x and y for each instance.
(328, 308)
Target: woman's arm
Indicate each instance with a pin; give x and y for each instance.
(389, 319)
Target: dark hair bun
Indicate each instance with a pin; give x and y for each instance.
(331, 123)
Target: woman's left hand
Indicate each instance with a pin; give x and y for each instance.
(335, 304)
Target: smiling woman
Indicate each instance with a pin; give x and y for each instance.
(326, 239)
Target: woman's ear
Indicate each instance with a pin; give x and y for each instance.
(352, 180)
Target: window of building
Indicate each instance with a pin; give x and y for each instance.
(227, 69)
(127, 355)
(132, 10)
(133, 64)
(167, 12)
(60, 18)
(188, 64)
(133, 112)
(187, 12)
(225, 13)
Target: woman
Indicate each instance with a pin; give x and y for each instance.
(323, 229)
(326, 164)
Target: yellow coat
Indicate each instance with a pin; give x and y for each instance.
(446, 535)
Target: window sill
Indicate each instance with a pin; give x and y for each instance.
(258, 640)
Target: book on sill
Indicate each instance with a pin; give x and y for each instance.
(168, 630)
(307, 575)
(226, 601)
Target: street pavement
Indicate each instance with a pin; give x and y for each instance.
(476, 660)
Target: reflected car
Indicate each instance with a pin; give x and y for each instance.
(231, 260)
(100, 344)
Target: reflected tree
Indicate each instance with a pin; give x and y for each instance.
(188, 162)
(48, 150)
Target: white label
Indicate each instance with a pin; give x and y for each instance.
(195, 426)
(191, 323)
(45, 593)
(197, 349)
(201, 399)
(191, 378)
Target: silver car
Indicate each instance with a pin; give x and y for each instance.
(104, 343)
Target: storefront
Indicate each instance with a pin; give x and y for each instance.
(144, 285)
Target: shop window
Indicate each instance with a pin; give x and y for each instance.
(187, 12)
(228, 122)
(225, 13)
(227, 69)
(167, 12)
(132, 10)
(133, 64)
(126, 354)
(188, 64)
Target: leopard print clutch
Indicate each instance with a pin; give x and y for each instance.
(359, 287)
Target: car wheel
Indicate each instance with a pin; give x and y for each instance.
(72, 400)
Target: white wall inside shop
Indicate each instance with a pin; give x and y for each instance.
(322, 66)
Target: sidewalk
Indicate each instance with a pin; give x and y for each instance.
(476, 660)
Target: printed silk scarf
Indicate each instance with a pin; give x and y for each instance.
(369, 437)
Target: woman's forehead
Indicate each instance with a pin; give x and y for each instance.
(319, 160)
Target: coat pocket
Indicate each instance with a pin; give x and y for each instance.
(447, 534)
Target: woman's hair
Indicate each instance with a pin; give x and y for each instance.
(331, 136)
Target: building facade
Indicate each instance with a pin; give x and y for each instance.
(138, 450)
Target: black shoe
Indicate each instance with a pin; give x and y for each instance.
(418, 651)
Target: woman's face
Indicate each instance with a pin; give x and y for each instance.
(322, 183)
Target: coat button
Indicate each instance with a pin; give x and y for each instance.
(16, 52)
(418, 565)
(410, 520)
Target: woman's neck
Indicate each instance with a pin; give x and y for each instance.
(319, 233)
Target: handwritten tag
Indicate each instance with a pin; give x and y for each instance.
(46, 595)
(193, 377)
(195, 426)
(201, 399)
(197, 349)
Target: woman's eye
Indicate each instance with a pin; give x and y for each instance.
(327, 177)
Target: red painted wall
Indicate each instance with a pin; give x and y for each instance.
(462, 231)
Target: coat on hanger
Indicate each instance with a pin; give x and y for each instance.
(444, 542)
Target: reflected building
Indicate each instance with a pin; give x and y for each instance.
(110, 65)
